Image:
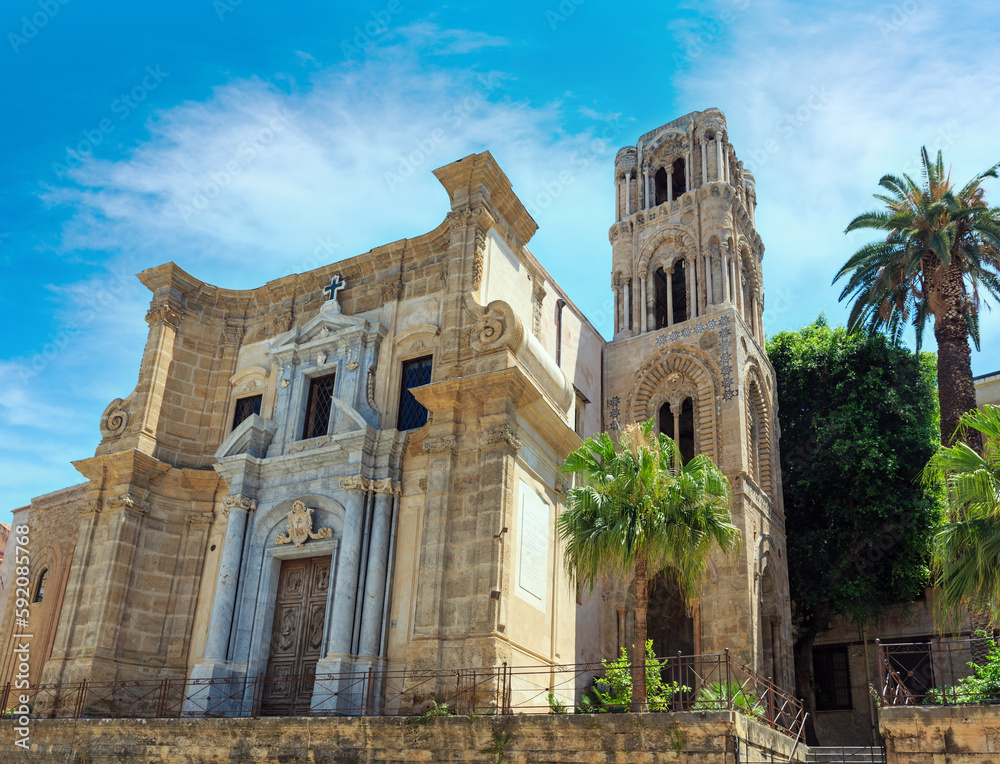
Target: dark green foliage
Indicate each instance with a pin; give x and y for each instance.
(983, 686)
(613, 693)
(858, 421)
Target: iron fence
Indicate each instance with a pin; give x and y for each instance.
(935, 672)
(705, 682)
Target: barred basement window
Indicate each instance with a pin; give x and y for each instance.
(833, 678)
(412, 414)
(245, 407)
(318, 406)
(40, 589)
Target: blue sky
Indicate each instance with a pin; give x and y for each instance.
(246, 139)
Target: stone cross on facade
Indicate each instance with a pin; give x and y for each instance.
(332, 304)
(336, 284)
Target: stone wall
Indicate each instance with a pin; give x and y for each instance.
(703, 737)
(941, 734)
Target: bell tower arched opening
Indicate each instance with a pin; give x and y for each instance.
(678, 297)
(678, 178)
(679, 425)
(660, 287)
(662, 181)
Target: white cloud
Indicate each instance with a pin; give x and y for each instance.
(255, 183)
(821, 102)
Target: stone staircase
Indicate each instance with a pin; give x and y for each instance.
(847, 755)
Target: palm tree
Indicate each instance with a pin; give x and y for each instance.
(967, 548)
(942, 247)
(641, 512)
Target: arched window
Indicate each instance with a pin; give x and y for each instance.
(679, 426)
(660, 299)
(661, 179)
(678, 286)
(678, 179)
(754, 451)
(759, 449)
(40, 586)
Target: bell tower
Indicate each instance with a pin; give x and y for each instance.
(688, 351)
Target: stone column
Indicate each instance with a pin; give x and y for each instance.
(704, 162)
(235, 509)
(645, 188)
(618, 200)
(670, 297)
(627, 312)
(378, 560)
(650, 299)
(642, 305)
(725, 276)
(687, 176)
(628, 194)
(719, 170)
(670, 187)
(692, 278)
(345, 593)
(708, 281)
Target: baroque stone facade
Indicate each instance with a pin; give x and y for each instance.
(357, 468)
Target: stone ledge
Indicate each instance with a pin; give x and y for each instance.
(554, 739)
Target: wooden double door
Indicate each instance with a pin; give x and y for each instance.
(297, 633)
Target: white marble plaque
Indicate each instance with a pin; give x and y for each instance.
(533, 546)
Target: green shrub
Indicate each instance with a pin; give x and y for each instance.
(982, 687)
(613, 693)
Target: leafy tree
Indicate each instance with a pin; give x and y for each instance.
(942, 247)
(858, 422)
(641, 512)
(967, 547)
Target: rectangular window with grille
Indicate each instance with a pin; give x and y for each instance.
(416, 372)
(318, 407)
(245, 407)
(833, 678)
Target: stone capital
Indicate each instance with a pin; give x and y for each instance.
(386, 485)
(238, 501)
(443, 444)
(164, 313)
(503, 435)
(200, 518)
(128, 503)
(355, 483)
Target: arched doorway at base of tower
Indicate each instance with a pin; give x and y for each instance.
(670, 627)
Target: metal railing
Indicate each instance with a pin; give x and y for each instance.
(847, 754)
(931, 673)
(707, 682)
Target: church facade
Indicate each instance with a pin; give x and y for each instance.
(358, 468)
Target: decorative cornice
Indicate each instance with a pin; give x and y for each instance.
(440, 444)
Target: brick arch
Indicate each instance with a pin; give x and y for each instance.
(673, 232)
(701, 381)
